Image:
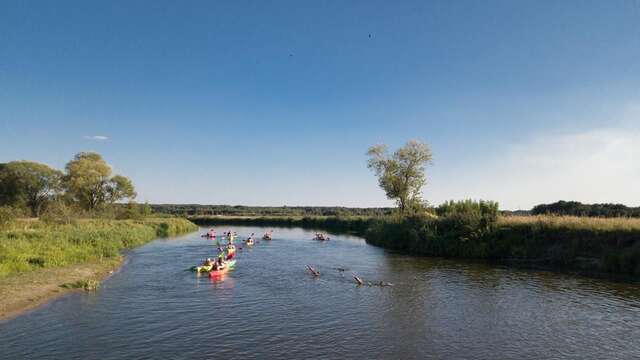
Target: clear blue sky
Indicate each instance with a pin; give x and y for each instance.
(276, 102)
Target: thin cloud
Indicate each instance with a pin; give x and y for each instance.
(595, 166)
(96, 137)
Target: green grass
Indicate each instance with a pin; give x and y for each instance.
(28, 245)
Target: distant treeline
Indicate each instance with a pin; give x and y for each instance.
(289, 211)
(574, 208)
(563, 208)
(86, 188)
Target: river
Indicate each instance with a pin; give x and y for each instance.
(270, 306)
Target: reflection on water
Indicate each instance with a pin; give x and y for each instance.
(269, 306)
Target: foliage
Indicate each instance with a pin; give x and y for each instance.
(146, 210)
(587, 244)
(7, 215)
(32, 245)
(27, 183)
(479, 214)
(401, 175)
(58, 212)
(89, 182)
(574, 208)
(130, 211)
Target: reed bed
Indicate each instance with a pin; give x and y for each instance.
(572, 222)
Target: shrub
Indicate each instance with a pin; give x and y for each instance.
(7, 215)
(131, 211)
(59, 213)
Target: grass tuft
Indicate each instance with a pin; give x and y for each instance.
(86, 285)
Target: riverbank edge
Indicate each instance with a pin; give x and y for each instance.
(24, 292)
(610, 248)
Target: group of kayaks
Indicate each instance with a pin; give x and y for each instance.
(224, 262)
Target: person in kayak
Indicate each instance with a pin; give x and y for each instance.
(208, 262)
(231, 251)
(219, 265)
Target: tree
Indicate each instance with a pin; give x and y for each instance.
(118, 188)
(27, 183)
(89, 182)
(401, 175)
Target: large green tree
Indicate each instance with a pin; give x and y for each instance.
(89, 182)
(401, 174)
(27, 183)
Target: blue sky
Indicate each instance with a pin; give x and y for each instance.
(272, 103)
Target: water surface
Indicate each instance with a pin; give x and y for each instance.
(271, 307)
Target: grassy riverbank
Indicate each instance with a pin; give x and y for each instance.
(571, 243)
(37, 259)
(33, 245)
(595, 245)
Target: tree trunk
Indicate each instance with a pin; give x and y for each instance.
(403, 205)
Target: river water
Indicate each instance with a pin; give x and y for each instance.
(271, 307)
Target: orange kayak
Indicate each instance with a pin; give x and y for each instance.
(229, 265)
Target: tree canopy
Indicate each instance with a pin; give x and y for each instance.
(89, 182)
(402, 174)
(28, 184)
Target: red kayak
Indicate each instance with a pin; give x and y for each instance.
(216, 273)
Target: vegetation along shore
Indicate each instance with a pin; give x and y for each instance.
(65, 230)
(41, 261)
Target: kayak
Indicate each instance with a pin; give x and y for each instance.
(229, 266)
(266, 237)
(202, 268)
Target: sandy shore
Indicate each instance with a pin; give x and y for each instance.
(23, 292)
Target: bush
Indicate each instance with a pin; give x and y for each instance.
(131, 211)
(58, 212)
(487, 209)
(7, 215)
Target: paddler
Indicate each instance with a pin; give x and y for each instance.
(220, 264)
(207, 262)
